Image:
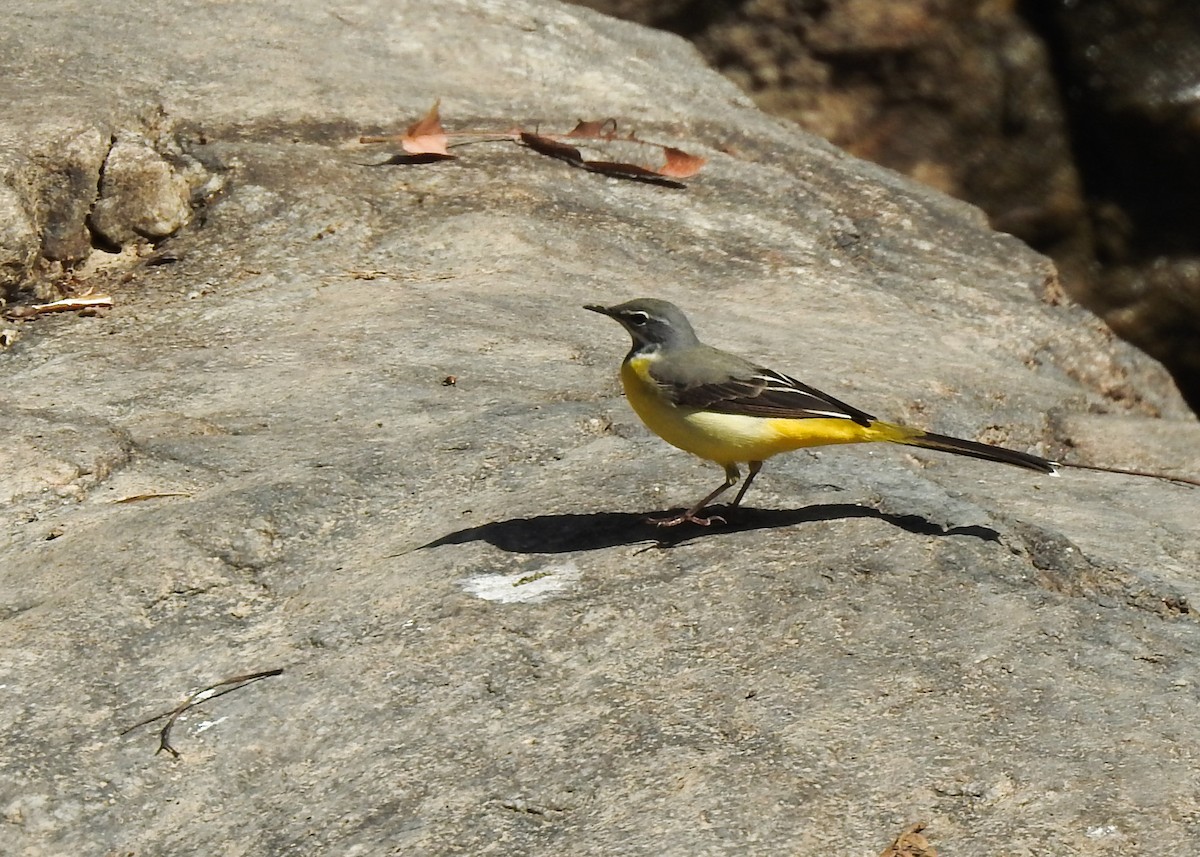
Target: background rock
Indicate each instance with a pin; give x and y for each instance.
(484, 650)
(1071, 124)
(1132, 72)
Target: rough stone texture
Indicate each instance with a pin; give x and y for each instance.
(18, 239)
(959, 95)
(485, 651)
(70, 188)
(141, 196)
(70, 174)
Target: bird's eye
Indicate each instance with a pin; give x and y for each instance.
(638, 319)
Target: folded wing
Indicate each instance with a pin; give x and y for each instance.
(763, 393)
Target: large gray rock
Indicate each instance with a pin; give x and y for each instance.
(485, 652)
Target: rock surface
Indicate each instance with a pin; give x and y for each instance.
(485, 652)
(959, 95)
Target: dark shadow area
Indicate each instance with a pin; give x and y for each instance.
(592, 531)
(1125, 82)
(1126, 74)
(411, 160)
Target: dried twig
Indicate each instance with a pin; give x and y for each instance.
(65, 305)
(210, 692)
(1181, 480)
(151, 495)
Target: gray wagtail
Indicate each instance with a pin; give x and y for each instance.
(725, 409)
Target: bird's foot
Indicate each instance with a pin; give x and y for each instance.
(686, 518)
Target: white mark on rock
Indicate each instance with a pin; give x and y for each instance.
(205, 725)
(523, 586)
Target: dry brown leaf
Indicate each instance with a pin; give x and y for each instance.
(603, 130)
(426, 141)
(552, 148)
(631, 171)
(427, 136)
(679, 164)
(910, 843)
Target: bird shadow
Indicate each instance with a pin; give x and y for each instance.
(595, 530)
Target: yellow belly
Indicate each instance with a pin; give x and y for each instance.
(732, 438)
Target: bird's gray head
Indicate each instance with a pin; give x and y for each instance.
(652, 323)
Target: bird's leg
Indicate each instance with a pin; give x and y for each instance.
(755, 466)
(692, 515)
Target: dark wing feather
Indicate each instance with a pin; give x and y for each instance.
(764, 393)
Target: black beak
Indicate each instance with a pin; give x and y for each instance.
(603, 310)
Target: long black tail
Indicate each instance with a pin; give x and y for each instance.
(974, 449)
